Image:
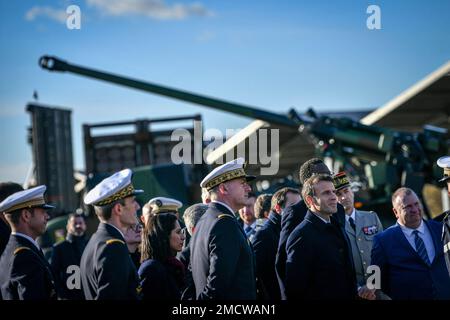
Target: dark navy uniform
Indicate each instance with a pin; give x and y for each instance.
(265, 245)
(25, 274)
(221, 257)
(318, 265)
(107, 271)
(67, 253)
(162, 281)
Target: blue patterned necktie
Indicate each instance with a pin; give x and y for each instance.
(248, 230)
(420, 247)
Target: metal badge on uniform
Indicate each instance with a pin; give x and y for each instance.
(370, 230)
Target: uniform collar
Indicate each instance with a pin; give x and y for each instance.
(121, 233)
(353, 215)
(28, 238)
(225, 205)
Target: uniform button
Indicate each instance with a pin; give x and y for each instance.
(364, 262)
(362, 251)
(359, 239)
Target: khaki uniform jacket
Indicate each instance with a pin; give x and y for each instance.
(367, 226)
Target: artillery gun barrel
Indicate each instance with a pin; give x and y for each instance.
(52, 63)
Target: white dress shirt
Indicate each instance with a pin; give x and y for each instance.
(424, 233)
(353, 216)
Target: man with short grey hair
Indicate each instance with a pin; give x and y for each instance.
(192, 214)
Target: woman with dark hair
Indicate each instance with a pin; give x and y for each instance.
(161, 273)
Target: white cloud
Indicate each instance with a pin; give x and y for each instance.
(155, 9)
(59, 15)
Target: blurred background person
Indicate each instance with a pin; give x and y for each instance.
(206, 197)
(68, 253)
(261, 210)
(161, 273)
(247, 215)
(6, 189)
(265, 244)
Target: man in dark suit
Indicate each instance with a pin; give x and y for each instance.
(265, 244)
(409, 254)
(293, 215)
(68, 253)
(318, 265)
(25, 274)
(221, 258)
(107, 271)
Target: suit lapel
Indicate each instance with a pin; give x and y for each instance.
(401, 240)
(436, 241)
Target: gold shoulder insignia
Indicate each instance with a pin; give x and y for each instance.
(114, 241)
(20, 249)
(220, 216)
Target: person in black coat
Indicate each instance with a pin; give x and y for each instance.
(107, 271)
(265, 244)
(318, 265)
(25, 274)
(161, 273)
(222, 260)
(293, 215)
(6, 189)
(68, 253)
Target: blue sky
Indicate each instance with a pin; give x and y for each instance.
(269, 54)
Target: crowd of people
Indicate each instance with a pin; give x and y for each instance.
(307, 244)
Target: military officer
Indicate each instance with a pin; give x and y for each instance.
(360, 226)
(25, 274)
(107, 271)
(221, 258)
(444, 163)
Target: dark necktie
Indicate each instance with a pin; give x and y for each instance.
(420, 247)
(352, 223)
(248, 230)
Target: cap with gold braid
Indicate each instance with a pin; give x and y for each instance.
(229, 171)
(162, 204)
(115, 187)
(340, 180)
(444, 163)
(31, 198)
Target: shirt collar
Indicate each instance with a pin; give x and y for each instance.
(225, 205)
(116, 229)
(253, 225)
(409, 231)
(28, 238)
(353, 215)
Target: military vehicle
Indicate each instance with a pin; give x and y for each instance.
(379, 159)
